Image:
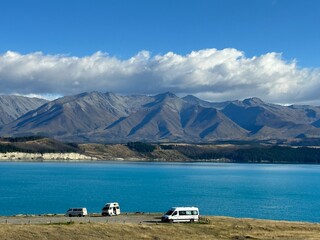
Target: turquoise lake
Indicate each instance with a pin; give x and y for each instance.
(280, 192)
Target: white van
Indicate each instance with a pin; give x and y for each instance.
(111, 209)
(76, 212)
(181, 214)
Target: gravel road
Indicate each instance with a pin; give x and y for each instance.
(144, 218)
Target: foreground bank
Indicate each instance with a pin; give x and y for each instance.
(208, 228)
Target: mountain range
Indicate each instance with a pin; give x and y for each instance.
(113, 118)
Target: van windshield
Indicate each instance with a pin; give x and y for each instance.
(169, 212)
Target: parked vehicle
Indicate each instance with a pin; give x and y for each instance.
(76, 212)
(181, 214)
(111, 209)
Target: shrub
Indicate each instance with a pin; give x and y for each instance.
(141, 147)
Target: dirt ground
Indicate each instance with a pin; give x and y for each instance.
(92, 218)
(148, 226)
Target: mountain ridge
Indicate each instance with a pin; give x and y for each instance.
(12, 107)
(112, 118)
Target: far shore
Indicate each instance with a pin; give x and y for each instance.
(82, 158)
(118, 153)
(39, 149)
(76, 157)
(40, 157)
(59, 157)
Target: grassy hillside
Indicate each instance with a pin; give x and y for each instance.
(36, 144)
(236, 153)
(217, 228)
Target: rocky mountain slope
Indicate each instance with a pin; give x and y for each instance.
(112, 118)
(12, 107)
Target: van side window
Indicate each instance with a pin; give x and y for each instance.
(188, 212)
(194, 212)
(182, 212)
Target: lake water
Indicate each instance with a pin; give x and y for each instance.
(281, 192)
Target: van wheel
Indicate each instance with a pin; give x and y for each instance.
(170, 221)
(191, 220)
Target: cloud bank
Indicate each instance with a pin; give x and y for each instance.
(210, 74)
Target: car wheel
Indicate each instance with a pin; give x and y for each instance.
(191, 220)
(170, 221)
(70, 215)
(79, 215)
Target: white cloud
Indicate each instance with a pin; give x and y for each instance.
(212, 74)
(49, 97)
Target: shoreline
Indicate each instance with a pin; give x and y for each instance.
(44, 150)
(40, 157)
(77, 157)
(89, 159)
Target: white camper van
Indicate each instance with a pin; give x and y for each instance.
(181, 214)
(76, 212)
(111, 209)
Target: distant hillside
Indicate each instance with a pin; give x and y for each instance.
(12, 107)
(238, 152)
(112, 118)
(232, 153)
(36, 145)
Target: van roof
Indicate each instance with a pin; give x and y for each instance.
(184, 207)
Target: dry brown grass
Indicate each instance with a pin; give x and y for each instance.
(217, 228)
(108, 151)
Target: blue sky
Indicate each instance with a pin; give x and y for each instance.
(112, 31)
